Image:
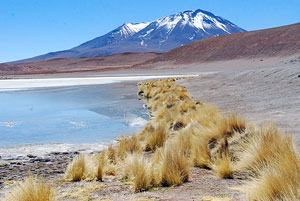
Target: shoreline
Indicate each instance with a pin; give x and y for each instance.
(19, 152)
(25, 84)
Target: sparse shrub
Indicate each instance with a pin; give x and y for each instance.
(175, 168)
(141, 179)
(206, 115)
(200, 153)
(110, 169)
(274, 183)
(183, 141)
(158, 155)
(76, 169)
(222, 160)
(137, 168)
(99, 160)
(128, 145)
(155, 175)
(262, 148)
(31, 189)
(111, 154)
(222, 166)
(272, 164)
(157, 138)
(100, 171)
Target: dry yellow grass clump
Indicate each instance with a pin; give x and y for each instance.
(127, 145)
(273, 166)
(175, 168)
(31, 189)
(76, 170)
(156, 138)
(85, 167)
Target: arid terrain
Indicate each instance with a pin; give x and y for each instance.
(255, 75)
(259, 94)
(97, 64)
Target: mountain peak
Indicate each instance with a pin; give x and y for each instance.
(199, 19)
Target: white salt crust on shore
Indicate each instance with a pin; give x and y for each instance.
(23, 84)
(42, 149)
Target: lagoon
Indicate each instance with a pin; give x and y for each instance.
(69, 114)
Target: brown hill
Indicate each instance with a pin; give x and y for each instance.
(95, 64)
(276, 42)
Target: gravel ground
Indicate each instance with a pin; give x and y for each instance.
(260, 95)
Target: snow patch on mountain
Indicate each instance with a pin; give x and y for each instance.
(130, 29)
(136, 27)
(168, 22)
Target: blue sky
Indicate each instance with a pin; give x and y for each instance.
(32, 27)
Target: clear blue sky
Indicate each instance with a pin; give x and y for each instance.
(32, 27)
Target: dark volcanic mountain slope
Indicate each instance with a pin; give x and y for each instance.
(160, 36)
(280, 41)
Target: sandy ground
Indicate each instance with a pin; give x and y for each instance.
(202, 182)
(258, 93)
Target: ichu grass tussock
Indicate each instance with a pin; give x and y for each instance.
(273, 166)
(175, 167)
(31, 189)
(137, 168)
(128, 145)
(76, 170)
(156, 138)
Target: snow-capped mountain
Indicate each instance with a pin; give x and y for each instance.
(160, 35)
(182, 28)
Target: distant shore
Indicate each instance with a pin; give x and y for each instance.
(23, 84)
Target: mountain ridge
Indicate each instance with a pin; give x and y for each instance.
(159, 35)
(280, 41)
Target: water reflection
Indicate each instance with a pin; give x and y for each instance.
(81, 114)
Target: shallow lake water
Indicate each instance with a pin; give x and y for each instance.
(76, 114)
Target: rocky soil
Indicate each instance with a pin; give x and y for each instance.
(49, 166)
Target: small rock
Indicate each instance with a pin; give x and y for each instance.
(55, 153)
(31, 156)
(41, 160)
